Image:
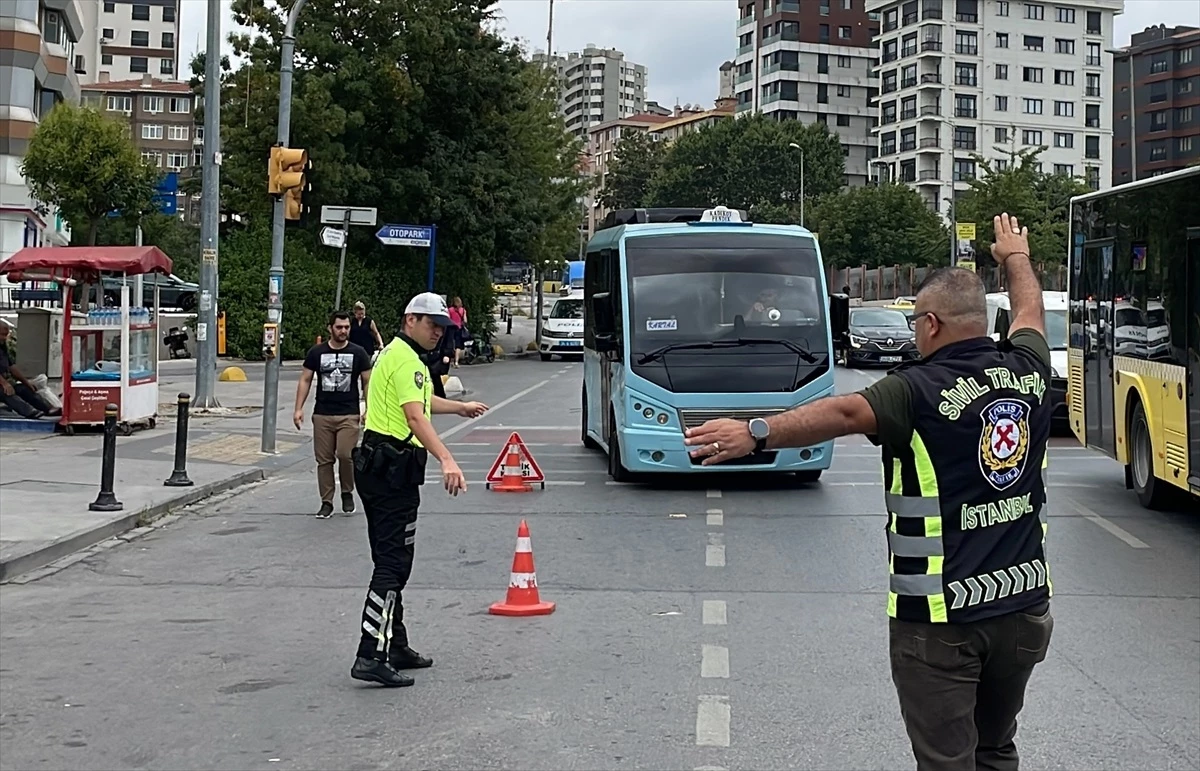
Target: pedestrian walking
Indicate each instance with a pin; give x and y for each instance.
(390, 469)
(458, 317)
(363, 331)
(338, 365)
(963, 433)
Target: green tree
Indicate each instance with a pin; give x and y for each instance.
(176, 238)
(747, 162)
(410, 106)
(85, 164)
(636, 159)
(1039, 200)
(880, 225)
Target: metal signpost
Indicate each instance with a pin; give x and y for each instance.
(344, 216)
(210, 220)
(412, 235)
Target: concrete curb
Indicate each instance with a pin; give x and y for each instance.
(56, 550)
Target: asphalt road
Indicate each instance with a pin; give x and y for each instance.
(739, 626)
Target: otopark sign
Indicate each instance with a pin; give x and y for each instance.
(412, 235)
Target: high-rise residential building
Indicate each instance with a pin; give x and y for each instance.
(37, 71)
(597, 85)
(1156, 78)
(162, 123)
(125, 39)
(811, 61)
(964, 77)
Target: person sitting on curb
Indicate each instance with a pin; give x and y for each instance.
(16, 392)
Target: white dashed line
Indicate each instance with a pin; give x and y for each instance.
(473, 421)
(714, 518)
(713, 494)
(1112, 528)
(712, 721)
(714, 661)
(714, 555)
(714, 613)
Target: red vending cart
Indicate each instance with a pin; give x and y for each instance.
(113, 357)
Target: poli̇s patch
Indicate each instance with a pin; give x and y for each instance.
(1004, 443)
(419, 379)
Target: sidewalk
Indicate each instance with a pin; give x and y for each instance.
(47, 481)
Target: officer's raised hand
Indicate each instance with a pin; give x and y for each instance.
(720, 440)
(1010, 237)
(472, 409)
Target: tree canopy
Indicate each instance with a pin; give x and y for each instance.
(85, 164)
(1041, 201)
(637, 157)
(878, 226)
(409, 106)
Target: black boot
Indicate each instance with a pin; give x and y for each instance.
(381, 672)
(404, 657)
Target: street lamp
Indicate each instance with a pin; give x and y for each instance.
(801, 149)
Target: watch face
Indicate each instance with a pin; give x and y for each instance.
(759, 428)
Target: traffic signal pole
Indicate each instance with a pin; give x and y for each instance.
(210, 218)
(287, 52)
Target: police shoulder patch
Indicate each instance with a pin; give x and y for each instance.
(419, 379)
(1004, 443)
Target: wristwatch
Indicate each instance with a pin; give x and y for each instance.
(760, 430)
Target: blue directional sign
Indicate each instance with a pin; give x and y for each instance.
(406, 235)
(166, 192)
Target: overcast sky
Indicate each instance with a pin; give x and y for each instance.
(681, 42)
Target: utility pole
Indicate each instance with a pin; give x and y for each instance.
(287, 53)
(210, 218)
(539, 267)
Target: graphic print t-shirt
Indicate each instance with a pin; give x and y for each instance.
(337, 377)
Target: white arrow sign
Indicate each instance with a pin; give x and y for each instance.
(334, 237)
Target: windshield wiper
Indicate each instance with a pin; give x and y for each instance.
(795, 348)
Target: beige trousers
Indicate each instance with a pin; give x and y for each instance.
(334, 438)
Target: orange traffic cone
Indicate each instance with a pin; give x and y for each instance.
(513, 481)
(523, 598)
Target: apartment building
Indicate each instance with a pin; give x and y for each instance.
(964, 77)
(37, 55)
(811, 60)
(597, 85)
(125, 39)
(1156, 79)
(602, 141)
(161, 122)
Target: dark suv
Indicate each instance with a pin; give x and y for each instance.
(879, 336)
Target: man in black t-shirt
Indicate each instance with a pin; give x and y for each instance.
(338, 365)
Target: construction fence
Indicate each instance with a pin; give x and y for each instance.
(889, 283)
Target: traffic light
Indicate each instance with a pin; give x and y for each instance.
(286, 176)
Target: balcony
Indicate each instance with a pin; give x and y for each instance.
(745, 106)
(964, 144)
(887, 87)
(931, 111)
(931, 78)
(908, 83)
(887, 149)
(908, 146)
(931, 13)
(964, 176)
(748, 48)
(888, 56)
(909, 50)
(745, 78)
(967, 18)
(966, 80)
(781, 66)
(966, 112)
(787, 6)
(931, 143)
(966, 48)
(745, 21)
(931, 45)
(929, 175)
(909, 114)
(887, 119)
(790, 33)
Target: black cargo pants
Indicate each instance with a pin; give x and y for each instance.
(961, 687)
(391, 513)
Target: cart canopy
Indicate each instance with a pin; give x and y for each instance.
(84, 263)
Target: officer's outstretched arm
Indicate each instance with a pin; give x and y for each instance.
(1011, 250)
(420, 425)
(821, 421)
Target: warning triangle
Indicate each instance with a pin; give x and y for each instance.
(529, 467)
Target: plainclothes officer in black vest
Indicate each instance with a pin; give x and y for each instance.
(389, 469)
(363, 331)
(964, 434)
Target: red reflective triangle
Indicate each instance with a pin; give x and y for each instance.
(529, 467)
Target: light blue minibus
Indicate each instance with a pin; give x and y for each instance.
(693, 314)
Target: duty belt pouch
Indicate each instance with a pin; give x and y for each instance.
(399, 463)
(419, 461)
(364, 459)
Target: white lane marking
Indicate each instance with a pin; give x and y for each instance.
(714, 613)
(714, 555)
(1112, 528)
(712, 721)
(714, 518)
(714, 661)
(713, 494)
(556, 374)
(469, 423)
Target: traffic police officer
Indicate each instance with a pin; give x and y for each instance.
(389, 469)
(964, 434)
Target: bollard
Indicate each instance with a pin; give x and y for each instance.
(503, 312)
(509, 330)
(106, 500)
(179, 477)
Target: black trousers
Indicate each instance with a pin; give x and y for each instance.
(961, 687)
(391, 513)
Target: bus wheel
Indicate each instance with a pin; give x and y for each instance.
(1152, 492)
(616, 469)
(588, 442)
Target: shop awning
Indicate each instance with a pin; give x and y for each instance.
(85, 262)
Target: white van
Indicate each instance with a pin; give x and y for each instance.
(562, 328)
(999, 318)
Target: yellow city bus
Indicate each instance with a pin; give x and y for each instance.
(1133, 354)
